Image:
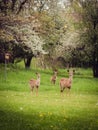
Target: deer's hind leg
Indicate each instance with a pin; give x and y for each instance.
(32, 88)
(37, 90)
(68, 91)
(62, 89)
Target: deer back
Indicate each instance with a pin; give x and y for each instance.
(67, 82)
(35, 82)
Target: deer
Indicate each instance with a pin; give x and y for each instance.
(54, 78)
(66, 82)
(35, 83)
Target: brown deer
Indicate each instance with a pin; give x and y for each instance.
(35, 83)
(66, 82)
(54, 78)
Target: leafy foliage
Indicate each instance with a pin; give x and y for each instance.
(89, 30)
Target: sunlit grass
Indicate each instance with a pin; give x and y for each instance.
(20, 109)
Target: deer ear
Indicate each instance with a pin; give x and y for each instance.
(37, 74)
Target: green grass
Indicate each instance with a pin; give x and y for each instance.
(20, 110)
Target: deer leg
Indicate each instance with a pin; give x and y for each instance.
(32, 90)
(54, 82)
(51, 81)
(62, 89)
(68, 92)
(61, 93)
(36, 91)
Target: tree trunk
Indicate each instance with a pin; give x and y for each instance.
(95, 66)
(27, 62)
(95, 71)
(95, 52)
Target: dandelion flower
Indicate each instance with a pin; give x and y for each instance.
(21, 108)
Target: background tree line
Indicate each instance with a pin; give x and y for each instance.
(61, 33)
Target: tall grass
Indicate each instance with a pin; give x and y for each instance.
(19, 109)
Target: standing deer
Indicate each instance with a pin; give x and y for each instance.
(66, 82)
(54, 78)
(35, 83)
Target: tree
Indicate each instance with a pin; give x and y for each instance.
(88, 9)
(52, 28)
(20, 32)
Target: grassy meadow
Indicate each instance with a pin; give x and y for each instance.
(20, 110)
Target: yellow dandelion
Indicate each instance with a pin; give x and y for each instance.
(41, 115)
(50, 113)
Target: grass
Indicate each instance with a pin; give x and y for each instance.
(20, 110)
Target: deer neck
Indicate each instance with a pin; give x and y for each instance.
(38, 79)
(71, 77)
(55, 75)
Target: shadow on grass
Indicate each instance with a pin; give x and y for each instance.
(10, 120)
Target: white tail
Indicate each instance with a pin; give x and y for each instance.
(54, 77)
(35, 83)
(66, 82)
